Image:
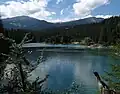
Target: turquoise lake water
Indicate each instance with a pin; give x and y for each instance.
(67, 67)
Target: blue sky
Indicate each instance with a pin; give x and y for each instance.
(59, 10)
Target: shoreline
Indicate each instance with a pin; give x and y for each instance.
(67, 46)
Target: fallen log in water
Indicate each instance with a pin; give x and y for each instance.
(109, 92)
(104, 89)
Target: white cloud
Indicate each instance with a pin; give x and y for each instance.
(98, 16)
(103, 16)
(35, 8)
(87, 16)
(85, 7)
(59, 1)
(61, 12)
(44, 15)
(63, 20)
(67, 19)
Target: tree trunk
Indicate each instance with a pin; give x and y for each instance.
(22, 77)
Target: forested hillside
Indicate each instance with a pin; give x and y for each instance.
(107, 32)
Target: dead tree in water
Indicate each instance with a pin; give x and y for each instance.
(104, 88)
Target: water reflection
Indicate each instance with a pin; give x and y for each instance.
(68, 67)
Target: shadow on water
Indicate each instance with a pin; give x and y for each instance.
(65, 68)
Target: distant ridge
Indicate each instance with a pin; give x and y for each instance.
(25, 22)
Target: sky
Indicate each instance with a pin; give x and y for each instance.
(59, 10)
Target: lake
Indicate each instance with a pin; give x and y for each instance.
(69, 67)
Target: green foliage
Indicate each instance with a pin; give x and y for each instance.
(113, 77)
(15, 69)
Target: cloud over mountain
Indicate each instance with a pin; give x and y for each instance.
(32, 8)
(53, 10)
(85, 7)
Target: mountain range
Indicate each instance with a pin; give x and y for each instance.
(25, 22)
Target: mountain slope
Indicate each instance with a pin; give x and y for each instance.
(82, 21)
(25, 22)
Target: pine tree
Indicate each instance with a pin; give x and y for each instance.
(13, 80)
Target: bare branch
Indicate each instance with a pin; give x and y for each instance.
(23, 41)
(29, 40)
(4, 54)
